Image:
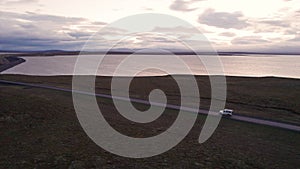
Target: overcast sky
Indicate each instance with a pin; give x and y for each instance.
(230, 25)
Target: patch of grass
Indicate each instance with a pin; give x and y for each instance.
(3, 60)
(39, 128)
(271, 98)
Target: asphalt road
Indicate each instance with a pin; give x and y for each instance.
(205, 112)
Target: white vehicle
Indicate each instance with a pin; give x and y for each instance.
(226, 112)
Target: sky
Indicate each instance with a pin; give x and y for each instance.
(229, 25)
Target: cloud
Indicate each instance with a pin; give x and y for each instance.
(291, 31)
(33, 31)
(249, 40)
(17, 2)
(271, 26)
(279, 23)
(80, 34)
(99, 23)
(182, 5)
(223, 19)
(178, 29)
(150, 40)
(295, 39)
(39, 31)
(227, 34)
(287, 24)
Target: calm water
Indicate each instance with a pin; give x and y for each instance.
(252, 65)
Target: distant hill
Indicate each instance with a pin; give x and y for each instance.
(132, 51)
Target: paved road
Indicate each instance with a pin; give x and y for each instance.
(205, 112)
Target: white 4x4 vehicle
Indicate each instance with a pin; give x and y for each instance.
(226, 112)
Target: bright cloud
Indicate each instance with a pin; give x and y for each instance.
(229, 25)
(223, 19)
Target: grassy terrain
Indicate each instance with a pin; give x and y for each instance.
(271, 98)
(39, 129)
(3, 60)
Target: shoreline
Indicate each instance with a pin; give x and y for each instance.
(155, 76)
(133, 51)
(12, 62)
